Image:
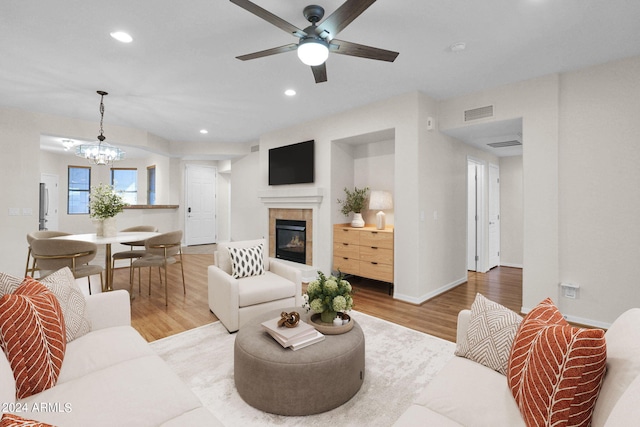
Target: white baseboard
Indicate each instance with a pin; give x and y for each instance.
(429, 295)
(576, 319)
(506, 264)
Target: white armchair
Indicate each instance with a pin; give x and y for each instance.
(236, 300)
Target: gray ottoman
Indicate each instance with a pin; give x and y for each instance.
(308, 381)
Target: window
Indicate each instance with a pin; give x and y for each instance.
(151, 185)
(79, 187)
(125, 182)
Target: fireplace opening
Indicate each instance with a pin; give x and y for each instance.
(291, 242)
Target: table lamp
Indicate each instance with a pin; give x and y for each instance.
(380, 200)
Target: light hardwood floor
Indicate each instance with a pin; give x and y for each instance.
(437, 316)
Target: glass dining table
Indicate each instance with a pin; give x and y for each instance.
(120, 237)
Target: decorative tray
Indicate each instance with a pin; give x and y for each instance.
(329, 328)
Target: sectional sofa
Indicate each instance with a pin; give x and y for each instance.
(110, 376)
(467, 393)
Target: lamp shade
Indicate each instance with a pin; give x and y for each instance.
(313, 51)
(380, 200)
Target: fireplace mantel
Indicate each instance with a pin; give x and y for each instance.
(291, 196)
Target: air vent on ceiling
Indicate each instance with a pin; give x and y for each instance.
(478, 113)
(255, 148)
(503, 144)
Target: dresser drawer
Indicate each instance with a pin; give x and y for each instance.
(346, 265)
(383, 272)
(347, 250)
(346, 235)
(374, 254)
(378, 239)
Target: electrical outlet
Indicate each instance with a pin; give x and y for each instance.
(569, 290)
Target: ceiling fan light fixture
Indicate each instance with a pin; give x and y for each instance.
(313, 51)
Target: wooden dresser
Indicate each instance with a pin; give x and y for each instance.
(365, 252)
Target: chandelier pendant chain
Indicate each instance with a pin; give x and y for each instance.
(100, 153)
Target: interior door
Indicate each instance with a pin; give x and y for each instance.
(494, 216)
(472, 218)
(50, 200)
(200, 209)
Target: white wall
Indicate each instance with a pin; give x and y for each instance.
(374, 167)
(245, 207)
(511, 214)
(536, 101)
(599, 160)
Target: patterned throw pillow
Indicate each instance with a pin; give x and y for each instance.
(64, 287)
(246, 262)
(71, 299)
(11, 420)
(32, 335)
(556, 370)
(492, 328)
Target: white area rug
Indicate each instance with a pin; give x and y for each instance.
(399, 362)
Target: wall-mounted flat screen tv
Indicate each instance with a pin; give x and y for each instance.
(292, 164)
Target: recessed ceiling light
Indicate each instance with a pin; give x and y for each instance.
(458, 47)
(290, 92)
(121, 36)
(204, 131)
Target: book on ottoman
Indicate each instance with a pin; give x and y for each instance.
(299, 337)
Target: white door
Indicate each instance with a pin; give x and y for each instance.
(476, 259)
(494, 216)
(50, 200)
(472, 218)
(200, 209)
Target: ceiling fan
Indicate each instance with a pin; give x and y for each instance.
(316, 41)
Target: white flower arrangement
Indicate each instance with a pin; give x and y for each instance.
(104, 202)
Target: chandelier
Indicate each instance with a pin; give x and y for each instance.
(100, 153)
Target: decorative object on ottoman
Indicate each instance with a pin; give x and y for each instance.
(289, 320)
(556, 370)
(344, 326)
(317, 379)
(328, 296)
(354, 201)
(104, 205)
(295, 337)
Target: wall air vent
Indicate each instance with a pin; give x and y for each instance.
(503, 144)
(255, 148)
(478, 113)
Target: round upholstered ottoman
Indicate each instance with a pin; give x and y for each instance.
(307, 381)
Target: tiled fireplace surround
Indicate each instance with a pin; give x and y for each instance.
(294, 204)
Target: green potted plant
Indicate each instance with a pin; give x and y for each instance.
(354, 201)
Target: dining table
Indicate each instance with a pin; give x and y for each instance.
(107, 241)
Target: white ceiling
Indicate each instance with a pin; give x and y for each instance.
(180, 73)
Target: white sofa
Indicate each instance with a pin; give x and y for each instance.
(235, 301)
(465, 393)
(109, 377)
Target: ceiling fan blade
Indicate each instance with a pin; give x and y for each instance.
(269, 17)
(354, 49)
(320, 72)
(342, 17)
(268, 52)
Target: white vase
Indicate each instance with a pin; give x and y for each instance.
(99, 228)
(357, 221)
(109, 228)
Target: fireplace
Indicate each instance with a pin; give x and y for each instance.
(291, 236)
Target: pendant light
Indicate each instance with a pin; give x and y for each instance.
(100, 153)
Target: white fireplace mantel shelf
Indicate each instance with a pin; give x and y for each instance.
(291, 196)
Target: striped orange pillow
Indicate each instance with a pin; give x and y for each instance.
(11, 420)
(556, 370)
(32, 335)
